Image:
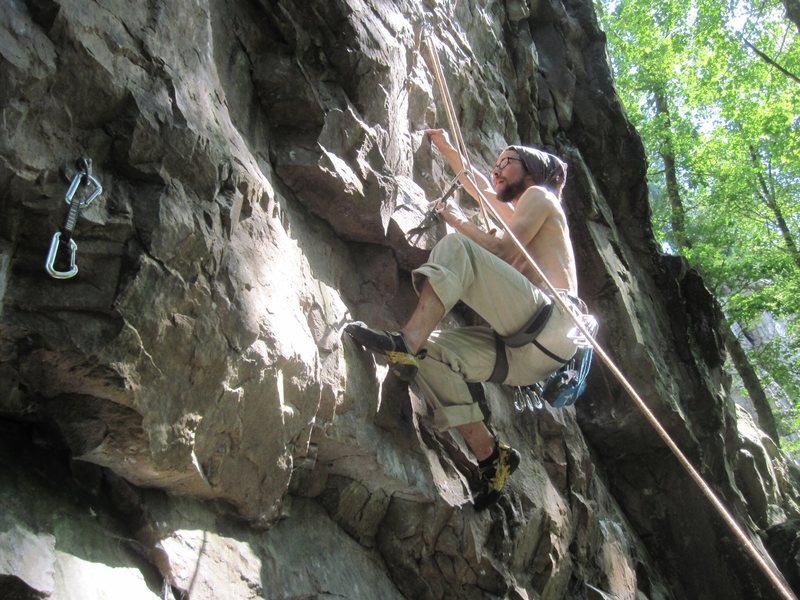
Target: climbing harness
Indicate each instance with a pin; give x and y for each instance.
(760, 560)
(527, 335)
(431, 217)
(62, 247)
(565, 386)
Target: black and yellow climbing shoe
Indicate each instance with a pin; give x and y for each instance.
(391, 345)
(494, 473)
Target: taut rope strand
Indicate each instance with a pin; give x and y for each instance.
(444, 92)
(768, 570)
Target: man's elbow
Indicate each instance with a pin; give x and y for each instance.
(502, 249)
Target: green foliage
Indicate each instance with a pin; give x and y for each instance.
(731, 118)
(780, 361)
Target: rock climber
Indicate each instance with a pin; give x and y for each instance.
(527, 337)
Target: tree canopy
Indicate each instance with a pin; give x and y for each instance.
(714, 89)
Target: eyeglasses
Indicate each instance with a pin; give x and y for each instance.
(503, 163)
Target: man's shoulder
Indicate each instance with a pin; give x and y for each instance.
(539, 195)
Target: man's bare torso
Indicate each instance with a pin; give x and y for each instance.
(550, 248)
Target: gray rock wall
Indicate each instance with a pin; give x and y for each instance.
(261, 162)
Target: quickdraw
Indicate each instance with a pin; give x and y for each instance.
(63, 248)
(432, 216)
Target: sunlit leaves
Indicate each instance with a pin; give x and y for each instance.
(726, 76)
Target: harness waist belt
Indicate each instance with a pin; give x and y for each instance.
(531, 329)
(527, 335)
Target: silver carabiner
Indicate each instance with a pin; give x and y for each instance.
(75, 207)
(76, 182)
(53, 254)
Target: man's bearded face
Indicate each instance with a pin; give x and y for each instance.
(508, 177)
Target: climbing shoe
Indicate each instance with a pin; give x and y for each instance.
(391, 345)
(494, 473)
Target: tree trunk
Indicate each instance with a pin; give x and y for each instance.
(766, 420)
(677, 214)
(764, 414)
(793, 12)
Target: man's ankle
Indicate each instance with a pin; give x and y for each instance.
(411, 343)
(485, 462)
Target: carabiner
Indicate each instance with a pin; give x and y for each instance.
(431, 217)
(415, 234)
(52, 255)
(84, 174)
(75, 184)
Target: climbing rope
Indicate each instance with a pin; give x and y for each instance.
(737, 530)
(444, 92)
(62, 245)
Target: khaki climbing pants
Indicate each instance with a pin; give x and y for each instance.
(460, 269)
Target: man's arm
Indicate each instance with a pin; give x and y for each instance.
(440, 139)
(534, 207)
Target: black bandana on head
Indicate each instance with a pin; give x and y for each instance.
(546, 170)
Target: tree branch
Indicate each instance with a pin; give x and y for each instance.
(773, 205)
(771, 62)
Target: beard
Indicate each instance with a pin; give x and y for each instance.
(512, 191)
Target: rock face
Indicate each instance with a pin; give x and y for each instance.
(261, 163)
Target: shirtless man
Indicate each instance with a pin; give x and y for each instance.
(488, 273)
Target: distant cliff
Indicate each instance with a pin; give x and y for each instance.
(183, 416)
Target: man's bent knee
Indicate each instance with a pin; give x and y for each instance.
(450, 244)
